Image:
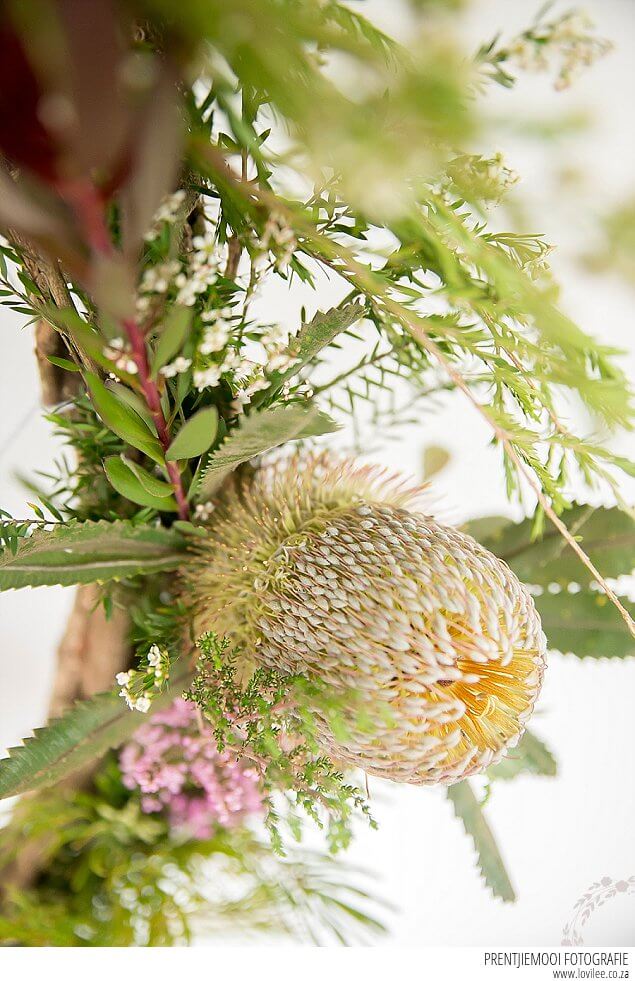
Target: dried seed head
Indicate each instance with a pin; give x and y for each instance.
(327, 570)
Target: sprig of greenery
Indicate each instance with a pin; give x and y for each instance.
(269, 719)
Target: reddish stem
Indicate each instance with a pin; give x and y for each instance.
(89, 209)
(153, 399)
(88, 206)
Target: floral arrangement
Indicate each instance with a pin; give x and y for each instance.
(262, 621)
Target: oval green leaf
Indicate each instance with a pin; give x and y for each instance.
(153, 485)
(172, 337)
(122, 419)
(127, 483)
(196, 436)
(134, 401)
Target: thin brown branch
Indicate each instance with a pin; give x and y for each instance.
(234, 252)
(57, 384)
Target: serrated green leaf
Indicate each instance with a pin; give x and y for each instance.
(196, 436)
(529, 756)
(172, 337)
(258, 433)
(607, 535)
(82, 552)
(470, 812)
(122, 419)
(83, 733)
(135, 484)
(313, 337)
(585, 623)
(323, 329)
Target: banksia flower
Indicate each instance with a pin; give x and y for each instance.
(329, 571)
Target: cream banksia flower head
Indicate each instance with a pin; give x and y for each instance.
(329, 570)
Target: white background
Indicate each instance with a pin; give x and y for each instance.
(557, 836)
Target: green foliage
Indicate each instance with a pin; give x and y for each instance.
(317, 334)
(122, 419)
(82, 734)
(435, 459)
(269, 720)
(470, 812)
(78, 487)
(577, 618)
(584, 623)
(529, 756)
(81, 552)
(567, 38)
(172, 337)
(617, 253)
(607, 535)
(117, 877)
(136, 484)
(257, 434)
(196, 436)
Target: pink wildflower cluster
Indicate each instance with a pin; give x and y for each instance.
(179, 770)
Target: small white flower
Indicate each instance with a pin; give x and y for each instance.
(154, 655)
(231, 361)
(213, 316)
(257, 385)
(142, 704)
(123, 678)
(282, 361)
(187, 295)
(207, 377)
(157, 279)
(128, 365)
(243, 398)
(276, 336)
(113, 349)
(176, 367)
(215, 338)
(166, 213)
(205, 247)
(204, 511)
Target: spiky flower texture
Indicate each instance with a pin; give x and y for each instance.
(331, 571)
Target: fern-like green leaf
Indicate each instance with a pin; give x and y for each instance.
(258, 433)
(529, 756)
(83, 733)
(83, 552)
(490, 862)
